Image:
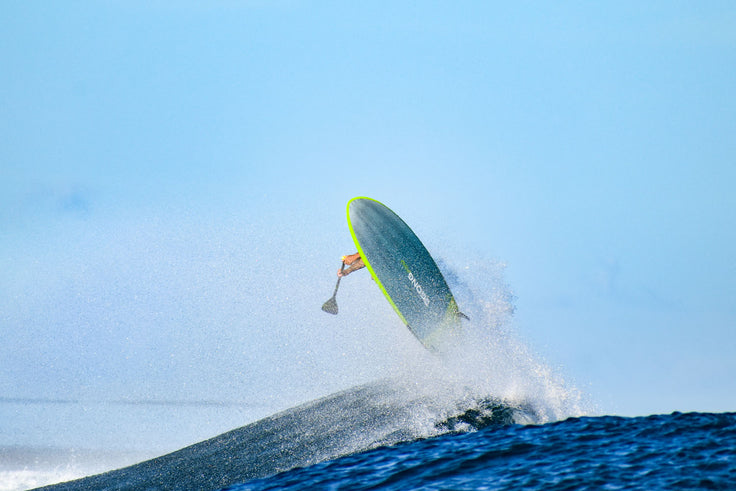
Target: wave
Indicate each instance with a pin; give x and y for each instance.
(358, 419)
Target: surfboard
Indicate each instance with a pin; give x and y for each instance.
(404, 271)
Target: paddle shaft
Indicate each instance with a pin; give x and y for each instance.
(342, 268)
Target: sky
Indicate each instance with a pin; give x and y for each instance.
(174, 175)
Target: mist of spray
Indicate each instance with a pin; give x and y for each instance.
(150, 331)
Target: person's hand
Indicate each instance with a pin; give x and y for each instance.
(350, 259)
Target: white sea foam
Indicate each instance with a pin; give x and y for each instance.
(23, 467)
(28, 479)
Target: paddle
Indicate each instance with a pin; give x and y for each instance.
(330, 306)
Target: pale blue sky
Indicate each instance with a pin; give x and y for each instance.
(167, 160)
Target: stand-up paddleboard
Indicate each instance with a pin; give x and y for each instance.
(404, 270)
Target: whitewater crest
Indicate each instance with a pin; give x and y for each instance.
(486, 365)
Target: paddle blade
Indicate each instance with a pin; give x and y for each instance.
(330, 306)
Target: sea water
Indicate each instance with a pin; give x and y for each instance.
(393, 435)
(472, 451)
(674, 451)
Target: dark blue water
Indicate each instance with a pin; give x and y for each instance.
(676, 451)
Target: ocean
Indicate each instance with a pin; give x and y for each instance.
(389, 435)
